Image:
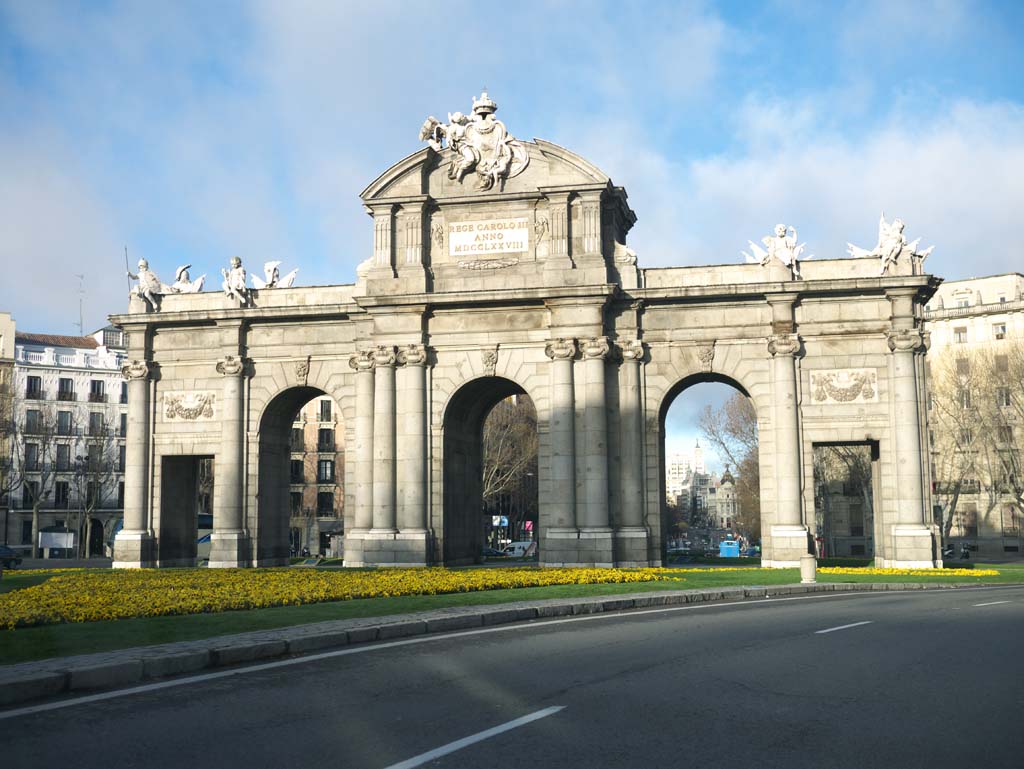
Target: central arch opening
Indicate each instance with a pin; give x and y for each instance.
(490, 474)
(710, 470)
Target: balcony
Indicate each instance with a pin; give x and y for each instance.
(977, 309)
(297, 478)
(66, 395)
(34, 395)
(325, 446)
(97, 397)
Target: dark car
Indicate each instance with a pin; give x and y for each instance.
(490, 552)
(9, 558)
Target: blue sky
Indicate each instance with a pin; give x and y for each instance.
(193, 131)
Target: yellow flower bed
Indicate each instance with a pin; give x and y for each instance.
(88, 596)
(911, 572)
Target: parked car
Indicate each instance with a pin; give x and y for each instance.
(9, 558)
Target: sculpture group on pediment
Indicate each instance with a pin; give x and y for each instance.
(782, 247)
(149, 288)
(234, 282)
(477, 143)
(892, 245)
(272, 276)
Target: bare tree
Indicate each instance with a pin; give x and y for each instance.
(510, 456)
(94, 480)
(732, 431)
(35, 463)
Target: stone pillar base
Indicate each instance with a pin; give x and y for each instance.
(577, 547)
(133, 550)
(788, 545)
(380, 547)
(630, 547)
(912, 546)
(229, 550)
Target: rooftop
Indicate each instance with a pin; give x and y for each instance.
(56, 340)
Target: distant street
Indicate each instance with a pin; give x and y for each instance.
(893, 681)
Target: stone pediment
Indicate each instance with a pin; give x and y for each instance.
(426, 173)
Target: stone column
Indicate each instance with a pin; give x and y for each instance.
(412, 448)
(630, 535)
(133, 545)
(561, 522)
(384, 440)
(595, 418)
(228, 542)
(362, 363)
(788, 532)
(912, 537)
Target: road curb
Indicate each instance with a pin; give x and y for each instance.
(25, 682)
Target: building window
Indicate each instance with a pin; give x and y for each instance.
(1002, 364)
(1003, 396)
(966, 436)
(120, 496)
(96, 392)
(124, 425)
(999, 330)
(297, 475)
(963, 302)
(124, 392)
(960, 335)
(325, 410)
(96, 423)
(33, 422)
(965, 399)
(325, 471)
(111, 338)
(95, 457)
(34, 388)
(325, 440)
(297, 439)
(296, 502)
(66, 389)
(963, 366)
(1011, 521)
(968, 520)
(29, 493)
(32, 456)
(325, 503)
(63, 457)
(61, 494)
(120, 458)
(92, 495)
(63, 423)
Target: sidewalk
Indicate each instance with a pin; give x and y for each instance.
(28, 681)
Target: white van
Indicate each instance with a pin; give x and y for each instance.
(521, 549)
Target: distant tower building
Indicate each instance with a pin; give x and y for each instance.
(698, 458)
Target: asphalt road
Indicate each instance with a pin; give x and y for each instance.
(931, 679)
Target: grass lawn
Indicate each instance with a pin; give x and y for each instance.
(82, 638)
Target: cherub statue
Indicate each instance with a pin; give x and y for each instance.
(183, 285)
(891, 244)
(234, 282)
(782, 245)
(273, 277)
(150, 288)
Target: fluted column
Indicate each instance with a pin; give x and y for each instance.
(905, 344)
(562, 503)
(783, 348)
(631, 416)
(595, 417)
(412, 448)
(362, 363)
(228, 540)
(133, 544)
(384, 440)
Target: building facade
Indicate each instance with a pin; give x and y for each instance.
(976, 409)
(69, 419)
(316, 493)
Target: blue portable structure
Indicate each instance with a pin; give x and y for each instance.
(729, 548)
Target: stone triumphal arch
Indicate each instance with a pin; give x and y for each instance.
(500, 267)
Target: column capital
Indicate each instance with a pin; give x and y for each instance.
(561, 349)
(362, 360)
(229, 365)
(384, 355)
(137, 369)
(632, 349)
(412, 355)
(906, 340)
(784, 344)
(596, 348)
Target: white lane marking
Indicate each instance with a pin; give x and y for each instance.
(626, 614)
(991, 603)
(842, 627)
(451, 747)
